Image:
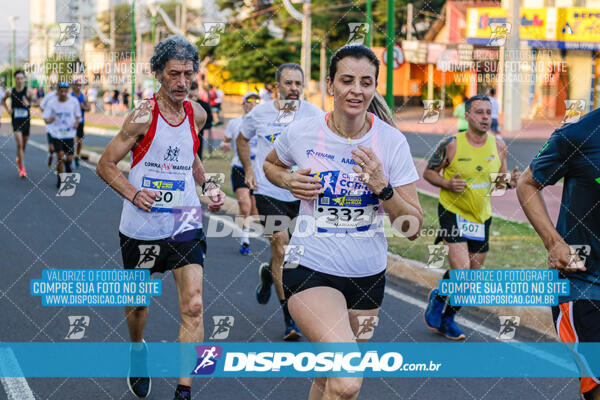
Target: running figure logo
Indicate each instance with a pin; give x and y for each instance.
(68, 34)
(143, 113)
(223, 324)
(207, 359)
(68, 183)
(499, 33)
(77, 326)
(508, 326)
(583, 251)
(287, 110)
(213, 188)
(499, 183)
(172, 154)
(366, 326)
(293, 255)
(326, 181)
(432, 111)
(188, 220)
(212, 33)
(358, 33)
(437, 255)
(148, 255)
(573, 110)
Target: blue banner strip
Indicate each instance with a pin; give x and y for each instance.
(224, 359)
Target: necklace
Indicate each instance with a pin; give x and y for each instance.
(339, 131)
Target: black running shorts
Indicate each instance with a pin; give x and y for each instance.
(166, 254)
(364, 293)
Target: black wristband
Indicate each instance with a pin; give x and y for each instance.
(134, 196)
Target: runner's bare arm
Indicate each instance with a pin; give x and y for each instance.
(403, 205)
(299, 183)
(130, 135)
(503, 153)
(243, 149)
(440, 159)
(6, 96)
(198, 170)
(559, 253)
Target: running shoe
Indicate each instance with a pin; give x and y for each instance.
(23, 173)
(182, 395)
(76, 162)
(433, 312)
(19, 166)
(49, 162)
(138, 360)
(245, 249)
(263, 290)
(58, 180)
(292, 332)
(450, 329)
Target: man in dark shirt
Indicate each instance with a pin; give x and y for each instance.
(572, 153)
(209, 117)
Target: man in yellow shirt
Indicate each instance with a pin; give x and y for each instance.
(469, 163)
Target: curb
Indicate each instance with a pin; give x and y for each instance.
(538, 319)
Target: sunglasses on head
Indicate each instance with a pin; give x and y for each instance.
(63, 84)
(252, 100)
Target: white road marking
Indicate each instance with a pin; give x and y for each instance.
(16, 388)
(480, 329)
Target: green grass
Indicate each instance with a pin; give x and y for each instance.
(512, 244)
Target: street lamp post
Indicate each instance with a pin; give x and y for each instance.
(389, 91)
(153, 11)
(133, 36)
(13, 24)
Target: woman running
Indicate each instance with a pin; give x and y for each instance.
(353, 169)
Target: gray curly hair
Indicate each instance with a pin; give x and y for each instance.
(174, 47)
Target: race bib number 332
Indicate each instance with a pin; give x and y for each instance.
(171, 193)
(345, 213)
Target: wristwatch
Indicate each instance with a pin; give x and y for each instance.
(386, 193)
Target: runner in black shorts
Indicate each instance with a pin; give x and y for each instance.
(264, 124)
(245, 199)
(158, 232)
(450, 233)
(466, 168)
(353, 169)
(21, 100)
(572, 153)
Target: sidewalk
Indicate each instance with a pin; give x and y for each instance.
(408, 120)
(506, 206)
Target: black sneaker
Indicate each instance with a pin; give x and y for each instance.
(139, 386)
(263, 290)
(182, 395)
(58, 181)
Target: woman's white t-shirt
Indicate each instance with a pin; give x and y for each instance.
(341, 233)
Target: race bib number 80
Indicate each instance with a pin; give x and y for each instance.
(171, 193)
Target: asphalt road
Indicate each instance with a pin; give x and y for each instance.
(40, 230)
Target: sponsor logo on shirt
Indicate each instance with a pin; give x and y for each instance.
(271, 138)
(167, 166)
(491, 157)
(348, 161)
(341, 183)
(318, 154)
(464, 159)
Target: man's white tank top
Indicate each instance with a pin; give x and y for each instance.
(162, 161)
